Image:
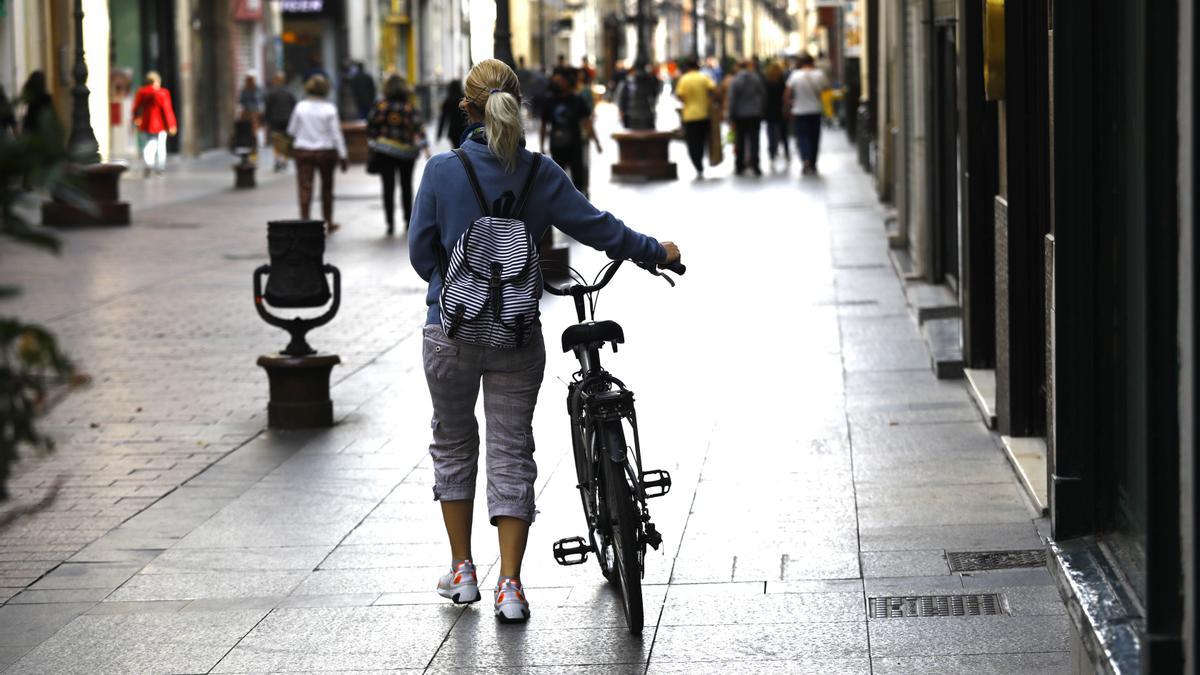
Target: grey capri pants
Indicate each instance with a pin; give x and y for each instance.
(511, 381)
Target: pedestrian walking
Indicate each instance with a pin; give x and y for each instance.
(566, 118)
(154, 117)
(493, 165)
(39, 121)
(773, 116)
(317, 146)
(277, 111)
(362, 89)
(802, 100)
(39, 118)
(396, 135)
(695, 90)
(249, 109)
(453, 120)
(747, 103)
(250, 100)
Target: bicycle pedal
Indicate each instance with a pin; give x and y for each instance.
(656, 483)
(571, 551)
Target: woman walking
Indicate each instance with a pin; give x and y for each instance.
(154, 116)
(511, 377)
(396, 135)
(777, 134)
(317, 146)
(453, 120)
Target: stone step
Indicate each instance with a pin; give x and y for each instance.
(1027, 454)
(931, 301)
(943, 338)
(981, 383)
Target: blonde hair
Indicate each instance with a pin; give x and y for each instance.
(317, 86)
(774, 71)
(152, 77)
(492, 87)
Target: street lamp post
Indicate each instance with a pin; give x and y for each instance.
(642, 91)
(503, 36)
(81, 145)
(94, 194)
(643, 152)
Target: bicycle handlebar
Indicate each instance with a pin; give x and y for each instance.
(582, 289)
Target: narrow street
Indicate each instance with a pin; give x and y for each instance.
(819, 467)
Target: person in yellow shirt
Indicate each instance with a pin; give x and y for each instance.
(695, 90)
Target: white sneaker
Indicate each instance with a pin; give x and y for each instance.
(460, 585)
(511, 605)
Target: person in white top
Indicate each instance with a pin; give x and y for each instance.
(317, 145)
(802, 102)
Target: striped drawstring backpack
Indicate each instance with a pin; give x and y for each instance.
(492, 281)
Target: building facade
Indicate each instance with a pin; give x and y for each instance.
(1039, 161)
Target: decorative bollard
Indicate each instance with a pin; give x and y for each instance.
(244, 144)
(296, 279)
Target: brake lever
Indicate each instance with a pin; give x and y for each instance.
(652, 269)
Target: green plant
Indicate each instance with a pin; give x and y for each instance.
(31, 364)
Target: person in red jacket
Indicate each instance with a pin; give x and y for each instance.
(154, 116)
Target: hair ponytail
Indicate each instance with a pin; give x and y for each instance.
(492, 87)
(502, 125)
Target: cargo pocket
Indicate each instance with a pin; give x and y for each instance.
(440, 354)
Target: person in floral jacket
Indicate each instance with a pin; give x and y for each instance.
(396, 134)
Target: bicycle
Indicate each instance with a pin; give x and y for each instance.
(612, 485)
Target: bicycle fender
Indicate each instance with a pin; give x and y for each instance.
(613, 437)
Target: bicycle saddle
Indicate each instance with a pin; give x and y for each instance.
(592, 331)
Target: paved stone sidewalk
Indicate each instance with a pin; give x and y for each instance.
(817, 462)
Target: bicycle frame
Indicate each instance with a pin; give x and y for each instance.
(594, 397)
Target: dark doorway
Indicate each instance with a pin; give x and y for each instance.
(159, 53)
(944, 157)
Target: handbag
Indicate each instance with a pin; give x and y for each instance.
(373, 163)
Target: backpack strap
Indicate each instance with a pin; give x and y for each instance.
(519, 209)
(473, 179)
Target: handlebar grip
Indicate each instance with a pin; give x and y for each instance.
(676, 267)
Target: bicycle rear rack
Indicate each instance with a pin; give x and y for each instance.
(656, 483)
(571, 551)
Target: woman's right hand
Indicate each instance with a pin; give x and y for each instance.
(672, 253)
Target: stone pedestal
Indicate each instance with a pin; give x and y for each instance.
(244, 175)
(99, 204)
(355, 132)
(642, 156)
(299, 390)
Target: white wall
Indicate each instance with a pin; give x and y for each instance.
(483, 23)
(95, 55)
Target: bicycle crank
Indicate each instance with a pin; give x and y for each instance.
(571, 551)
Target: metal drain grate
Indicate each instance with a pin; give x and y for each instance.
(890, 607)
(975, 561)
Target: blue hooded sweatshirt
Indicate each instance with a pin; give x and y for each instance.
(445, 207)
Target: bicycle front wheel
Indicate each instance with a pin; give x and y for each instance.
(623, 519)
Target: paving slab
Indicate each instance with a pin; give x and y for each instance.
(1049, 663)
(125, 643)
(350, 638)
(769, 642)
(938, 636)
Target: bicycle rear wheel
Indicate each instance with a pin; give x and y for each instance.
(623, 519)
